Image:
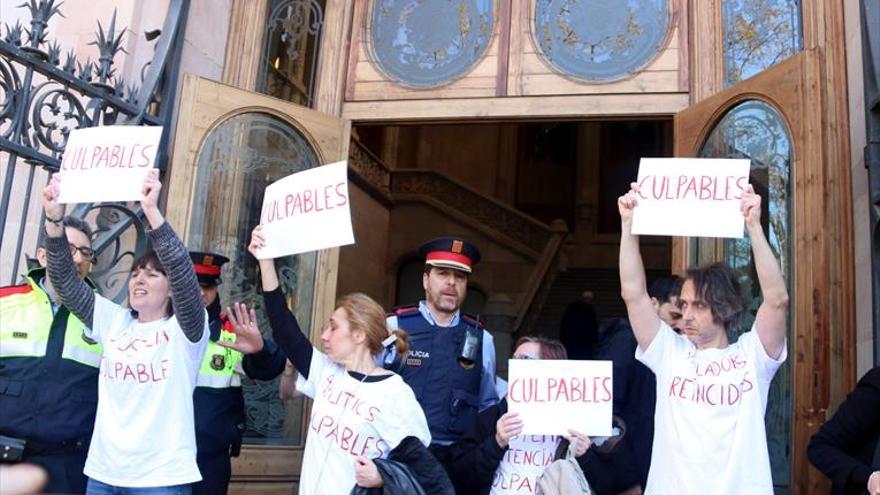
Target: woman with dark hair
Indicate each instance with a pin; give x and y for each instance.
(493, 458)
(362, 413)
(144, 438)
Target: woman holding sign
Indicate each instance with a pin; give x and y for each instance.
(494, 458)
(144, 438)
(361, 412)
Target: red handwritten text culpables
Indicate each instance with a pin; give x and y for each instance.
(514, 482)
(573, 389)
(135, 372)
(347, 438)
(341, 429)
(137, 366)
(108, 157)
(307, 201)
(691, 187)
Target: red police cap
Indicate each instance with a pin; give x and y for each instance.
(207, 267)
(450, 252)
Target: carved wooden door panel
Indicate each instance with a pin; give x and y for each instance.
(229, 145)
(776, 119)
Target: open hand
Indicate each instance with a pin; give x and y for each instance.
(248, 339)
(366, 474)
(54, 210)
(508, 426)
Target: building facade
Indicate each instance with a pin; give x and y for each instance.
(517, 123)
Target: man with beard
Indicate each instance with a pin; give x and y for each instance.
(709, 433)
(451, 362)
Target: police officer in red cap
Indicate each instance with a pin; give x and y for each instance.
(451, 362)
(218, 401)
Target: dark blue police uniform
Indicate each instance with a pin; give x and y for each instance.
(220, 415)
(451, 369)
(48, 383)
(218, 403)
(448, 392)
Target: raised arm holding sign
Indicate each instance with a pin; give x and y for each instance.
(697, 197)
(306, 211)
(108, 163)
(711, 393)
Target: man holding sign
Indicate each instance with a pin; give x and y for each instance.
(711, 394)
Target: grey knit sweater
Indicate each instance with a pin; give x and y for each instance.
(185, 293)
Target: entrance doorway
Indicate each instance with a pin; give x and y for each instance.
(568, 171)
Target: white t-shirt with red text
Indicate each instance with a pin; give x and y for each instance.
(352, 418)
(144, 428)
(709, 435)
(523, 464)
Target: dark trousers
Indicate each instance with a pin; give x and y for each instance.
(65, 471)
(443, 453)
(216, 470)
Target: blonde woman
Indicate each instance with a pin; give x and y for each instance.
(361, 412)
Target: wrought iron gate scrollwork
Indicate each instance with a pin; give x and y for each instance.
(115, 251)
(42, 99)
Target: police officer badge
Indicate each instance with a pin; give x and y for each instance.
(218, 361)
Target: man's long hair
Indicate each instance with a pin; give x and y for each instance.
(717, 285)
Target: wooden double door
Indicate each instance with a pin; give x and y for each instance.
(230, 143)
(788, 123)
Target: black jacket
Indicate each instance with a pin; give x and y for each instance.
(635, 393)
(410, 469)
(844, 448)
(474, 459)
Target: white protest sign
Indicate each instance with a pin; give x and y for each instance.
(307, 211)
(693, 197)
(553, 396)
(107, 163)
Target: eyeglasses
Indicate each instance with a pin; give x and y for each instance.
(524, 356)
(85, 252)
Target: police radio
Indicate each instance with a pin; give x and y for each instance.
(391, 359)
(470, 346)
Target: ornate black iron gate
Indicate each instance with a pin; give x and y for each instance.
(42, 98)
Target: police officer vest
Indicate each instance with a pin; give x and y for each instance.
(218, 369)
(448, 392)
(27, 320)
(48, 372)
